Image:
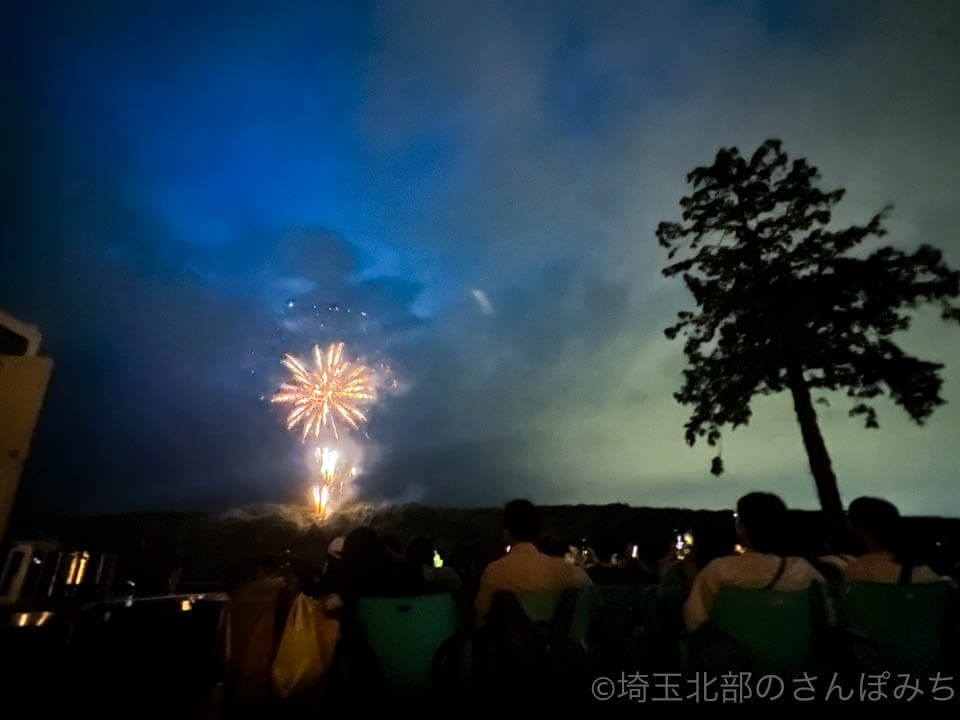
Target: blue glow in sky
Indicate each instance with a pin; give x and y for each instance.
(176, 176)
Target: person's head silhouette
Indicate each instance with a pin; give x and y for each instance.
(761, 522)
(521, 521)
(875, 523)
(420, 552)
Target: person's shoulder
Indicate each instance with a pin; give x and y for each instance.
(925, 574)
(496, 566)
(719, 571)
(559, 566)
(578, 575)
(552, 561)
(805, 566)
(858, 568)
(722, 564)
(837, 561)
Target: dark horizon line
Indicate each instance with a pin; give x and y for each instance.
(401, 506)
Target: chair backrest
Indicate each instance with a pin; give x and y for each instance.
(774, 628)
(541, 607)
(405, 634)
(906, 622)
(621, 606)
(535, 641)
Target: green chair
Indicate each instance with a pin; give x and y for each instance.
(773, 628)
(649, 600)
(628, 626)
(616, 605)
(534, 643)
(541, 606)
(905, 622)
(619, 606)
(406, 634)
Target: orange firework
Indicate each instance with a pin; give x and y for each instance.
(320, 496)
(333, 388)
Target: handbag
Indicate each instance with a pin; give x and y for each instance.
(306, 648)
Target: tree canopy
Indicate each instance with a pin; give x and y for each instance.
(787, 301)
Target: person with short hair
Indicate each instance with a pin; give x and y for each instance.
(876, 525)
(524, 567)
(370, 569)
(761, 522)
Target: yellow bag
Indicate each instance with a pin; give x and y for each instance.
(306, 648)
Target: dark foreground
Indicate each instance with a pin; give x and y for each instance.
(213, 649)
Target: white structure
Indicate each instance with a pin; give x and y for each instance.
(40, 574)
(30, 334)
(22, 560)
(23, 384)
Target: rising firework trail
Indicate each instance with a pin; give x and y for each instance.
(321, 495)
(333, 475)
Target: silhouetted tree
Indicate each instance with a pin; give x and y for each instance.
(786, 302)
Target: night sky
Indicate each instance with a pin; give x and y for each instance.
(465, 190)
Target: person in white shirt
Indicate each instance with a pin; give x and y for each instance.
(524, 567)
(761, 526)
(876, 525)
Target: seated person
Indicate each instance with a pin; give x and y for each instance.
(524, 568)
(713, 536)
(369, 569)
(421, 553)
(876, 525)
(761, 523)
(836, 561)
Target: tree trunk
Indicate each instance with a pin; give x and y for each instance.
(820, 465)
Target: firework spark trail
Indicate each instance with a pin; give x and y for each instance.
(321, 496)
(333, 387)
(327, 460)
(333, 474)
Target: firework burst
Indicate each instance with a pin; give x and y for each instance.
(332, 389)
